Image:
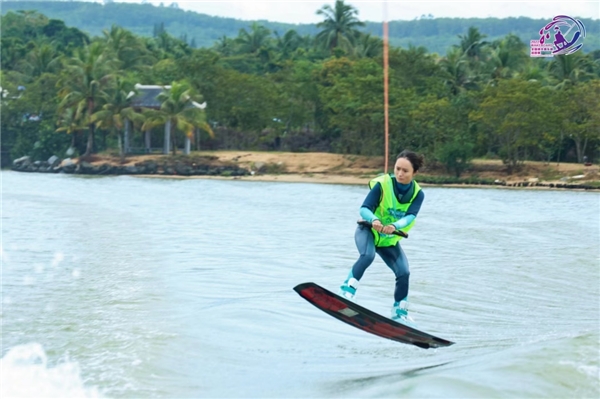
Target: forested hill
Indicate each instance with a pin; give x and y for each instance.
(201, 30)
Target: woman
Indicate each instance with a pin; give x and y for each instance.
(392, 204)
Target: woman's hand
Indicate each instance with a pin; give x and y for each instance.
(389, 229)
(377, 226)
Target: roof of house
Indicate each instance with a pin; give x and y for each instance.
(146, 95)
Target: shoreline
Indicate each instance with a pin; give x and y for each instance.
(360, 181)
(315, 167)
(322, 178)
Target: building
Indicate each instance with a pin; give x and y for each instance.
(146, 97)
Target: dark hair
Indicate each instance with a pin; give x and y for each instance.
(415, 159)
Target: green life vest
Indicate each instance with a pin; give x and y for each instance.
(391, 210)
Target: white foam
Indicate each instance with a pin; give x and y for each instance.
(24, 373)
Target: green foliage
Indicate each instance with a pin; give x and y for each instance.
(456, 155)
(39, 141)
(339, 27)
(514, 113)
(274, 86)
(179, 110)
(435, 34)
(454, 180)
(84, 82)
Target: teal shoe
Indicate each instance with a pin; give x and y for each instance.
(400, 313)
(348, 289)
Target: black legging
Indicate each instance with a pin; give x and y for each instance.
(392, 256)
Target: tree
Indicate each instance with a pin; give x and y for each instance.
(430, 122)
(534, 69)
(86, 77)
(579, 109)
(42, 58)
(71, 121)
(568, 70)
(339, 26)
(507, 57)
(414, 68)
(180, 110)
(28, 115)
(126, 48)
(352, 96)
(368, 46)
(473, 49)
(456, 154)
(225, 46)
(166, 46)
(287, 44)
(514, 114)
(116, 111)
(12, 50)
(298, 96)
(63, 38)
(456, 73)
(251, 42)
(472, 43)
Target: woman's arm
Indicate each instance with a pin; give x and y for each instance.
(411, 212)
(370, 204)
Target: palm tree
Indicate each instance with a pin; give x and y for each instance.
(71, 122)
(12, 51)
(533, 72)
(180, 111)
(368, 46)
(456, 72)
(33, 20)
(170, 47)
(116, 111)
(224, 46)
(126, 48)
(86, 77)
(507, 56)
(568, 70)
(472, 43)
(288, 43)
(42, 58)
(251, 42)
(339, 26)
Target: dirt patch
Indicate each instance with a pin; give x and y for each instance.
(327, 167)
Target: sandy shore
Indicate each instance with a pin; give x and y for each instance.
(347, 180)
(330, 168)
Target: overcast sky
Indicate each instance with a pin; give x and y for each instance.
(304, 11)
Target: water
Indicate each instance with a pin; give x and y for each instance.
(129, 287)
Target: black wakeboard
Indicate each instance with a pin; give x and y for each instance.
(365, 319)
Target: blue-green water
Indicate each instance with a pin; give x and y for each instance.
(130, 287)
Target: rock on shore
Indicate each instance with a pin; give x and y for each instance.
(197, 166)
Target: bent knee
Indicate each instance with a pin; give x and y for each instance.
(402, 274)
(368, 256)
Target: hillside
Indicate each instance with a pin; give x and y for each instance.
(437, 34)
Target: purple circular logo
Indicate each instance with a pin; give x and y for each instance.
(564, 33)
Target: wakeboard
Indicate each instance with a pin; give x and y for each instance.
(365, 319)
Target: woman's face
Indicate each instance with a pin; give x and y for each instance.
(404, 171)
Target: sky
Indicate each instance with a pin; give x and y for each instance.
(304, 11)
